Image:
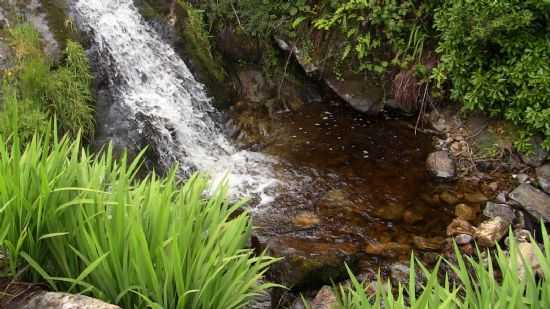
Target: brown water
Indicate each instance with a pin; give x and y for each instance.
(363, 184)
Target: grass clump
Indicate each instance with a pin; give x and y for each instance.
(504, 280)
(85, 224)
(36, 87)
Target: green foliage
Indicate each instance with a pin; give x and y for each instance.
(86, 224)
(495, 53)
(476, 286)
(38, 89)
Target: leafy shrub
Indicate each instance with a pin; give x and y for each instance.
(477, 286)
(85, 224)
(63, 92)
(495, 53)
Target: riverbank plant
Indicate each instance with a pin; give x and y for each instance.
(38, 89)
(504, 280)
(84, 223)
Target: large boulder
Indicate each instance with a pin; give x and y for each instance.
(441, 166)
(543, 177)
(55, 300)
(534, 201)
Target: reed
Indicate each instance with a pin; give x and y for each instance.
(85, 224)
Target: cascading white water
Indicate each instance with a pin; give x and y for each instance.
(150, 79)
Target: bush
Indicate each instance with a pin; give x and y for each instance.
(495, 54)
(85, 224)
(63, 92)
(477, 285)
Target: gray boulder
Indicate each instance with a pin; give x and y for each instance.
(55, 300)
(534, 201)
(543, 177)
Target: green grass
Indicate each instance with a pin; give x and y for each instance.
(482, 283)
(84, 223)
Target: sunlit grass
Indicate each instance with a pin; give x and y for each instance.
(86, 224)
(482, 283)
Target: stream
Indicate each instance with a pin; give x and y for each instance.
(328, 184)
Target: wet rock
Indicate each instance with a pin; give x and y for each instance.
(459, 226)
(441, 166)
(306, 220)
(504, 211)
(521, 178)
(450, 198)
(325, 299)
(502, 197)
(54, 300)
(491, 231)
(543, 177)
(362, 95)
(475, 197)
(428, 244)
(465, 212)
(389, 249)
(534, 201)
(253, 86)
(463, 239)
(537, 157)
(527, 257)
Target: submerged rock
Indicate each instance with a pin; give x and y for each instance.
(543, 177)
(306, 219)
(441, 166)
(459, 226)
(475, 197)
(491, 231)
(55, 300)
(465, 212)
(389, 249)
(534, 201)
(429, 244)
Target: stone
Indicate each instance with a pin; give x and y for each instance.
(450, 198)
(306, 219)
(388, 249)
(465, 212)
(504, 211)
(491, 231)
(364, 96)
(325, 299)
(502, 197)
(521, 178)
(526, 257)
(459, 226)
(536, 157)
(543, 177)
(534, 201)
(475, 197)
(463, 239)
(55, 300)
(309, 260)
(441, 166)
(428, 244)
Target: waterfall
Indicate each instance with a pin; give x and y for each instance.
(152, 87)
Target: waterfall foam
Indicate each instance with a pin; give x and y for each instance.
(148, 79)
